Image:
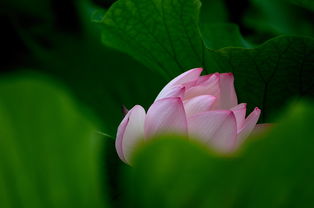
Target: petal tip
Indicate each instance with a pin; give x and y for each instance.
(257, 110)
(242, 105)
(215, 75)
(194, 70)
(137, 107)
(229, 74)
(200, 69)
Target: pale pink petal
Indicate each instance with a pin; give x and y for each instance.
(166, 116)
(224, 140)
(134, 131)
(239, 112)
(208, 87)
(198, 104)
(205, 125)
(123, 128)
(205, 78)
(188, 85)
(120, 133)
(175, 91)
(249, 125)
(197, 81)
(186, 77)
(228, 97)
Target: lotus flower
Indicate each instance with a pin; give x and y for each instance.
(200, 107)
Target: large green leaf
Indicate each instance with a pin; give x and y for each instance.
(213, 11)
(162, 34)
(266, 76)
(222, 35)
(49, 149)
(273, 170)
(271, 74)
(165, 35)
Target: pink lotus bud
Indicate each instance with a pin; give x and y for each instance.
(201, 107)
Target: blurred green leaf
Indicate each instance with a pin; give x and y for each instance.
(49, 149)
(168, 172)
(42, 8)
(307, 4)
(277, 17)
(270, 75)
(102, 78)
(274, 170)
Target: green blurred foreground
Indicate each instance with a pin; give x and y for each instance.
(51, 157)
(48, 149)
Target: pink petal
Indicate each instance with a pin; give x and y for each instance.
(120, 133)
(130, 131)
(175, 91)
(228, 97)
(239, 112)
(188, 85)
(134, 131)
(203, 79)
(208, 87)
(249, 125)
(217, 128)
(198, 104)
(186, 77)
(166, 116)
(225, 137)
